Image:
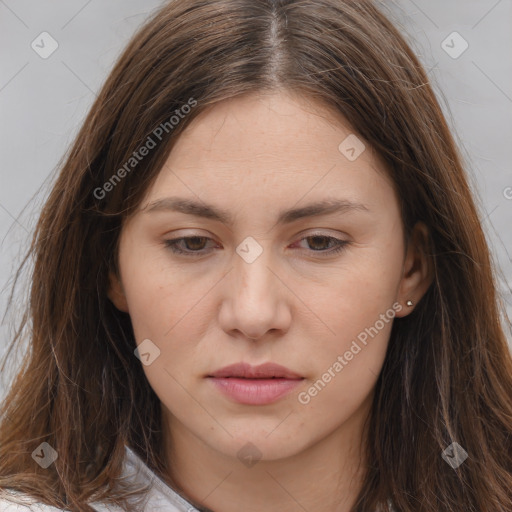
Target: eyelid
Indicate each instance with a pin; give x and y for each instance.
(190, 233)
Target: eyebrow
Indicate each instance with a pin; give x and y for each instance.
(201, 209)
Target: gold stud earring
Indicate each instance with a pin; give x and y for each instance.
(409, 303)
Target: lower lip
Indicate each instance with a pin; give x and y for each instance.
(255, 391)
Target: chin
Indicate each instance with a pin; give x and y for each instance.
(263, 445)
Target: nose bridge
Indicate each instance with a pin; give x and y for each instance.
(252, 273)
(253, 306)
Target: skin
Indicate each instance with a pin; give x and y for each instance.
(296, 304)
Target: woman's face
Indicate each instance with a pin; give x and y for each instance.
(264, 281)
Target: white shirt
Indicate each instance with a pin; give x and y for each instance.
(159, 498)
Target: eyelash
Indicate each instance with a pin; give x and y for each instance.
(172, 244)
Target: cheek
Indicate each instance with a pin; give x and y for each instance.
(357, 315)
(357, 295)
(168, 308)
(156, 294)
(166, 312)
(345, 371)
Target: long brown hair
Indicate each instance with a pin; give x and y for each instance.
(447, 376)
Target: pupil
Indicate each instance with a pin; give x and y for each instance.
(191, 240)
(317, 239)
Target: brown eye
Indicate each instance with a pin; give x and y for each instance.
(325, 244)
(318, 243)
(193, 245)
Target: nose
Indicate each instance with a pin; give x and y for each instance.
(255, 300)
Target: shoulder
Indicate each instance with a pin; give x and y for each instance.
(13, 501)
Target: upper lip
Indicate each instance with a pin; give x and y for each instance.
(247, 371)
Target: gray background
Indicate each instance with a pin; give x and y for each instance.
(43, 102)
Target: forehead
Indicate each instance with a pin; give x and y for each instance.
(275, 147)
(278, 125)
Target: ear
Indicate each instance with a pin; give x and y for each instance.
(115, 292)
(417, 273)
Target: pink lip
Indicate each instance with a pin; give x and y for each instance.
(255, 385)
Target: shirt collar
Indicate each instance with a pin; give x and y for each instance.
(159, 497)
